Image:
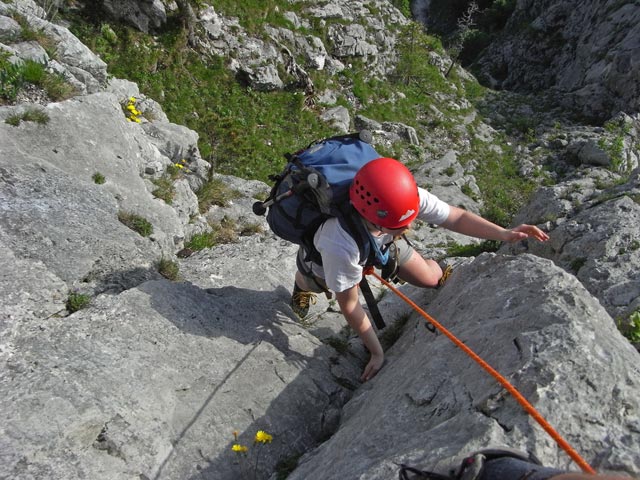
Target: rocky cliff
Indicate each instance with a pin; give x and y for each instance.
(151, 379)
(581, 55)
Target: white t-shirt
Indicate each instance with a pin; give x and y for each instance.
(340, 253)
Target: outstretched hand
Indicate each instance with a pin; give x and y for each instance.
(525, 231)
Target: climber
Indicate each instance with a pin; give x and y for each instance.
(387, 199)
(502, 464)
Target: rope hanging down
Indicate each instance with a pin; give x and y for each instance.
(530, 409)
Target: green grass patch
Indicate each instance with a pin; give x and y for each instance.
(504, 190)
(164, 189)
(339, 344)
(29, 115)
(98, 178)
(244, 132)
(169, 269)
(13, 78)
(253, 15)
(472, 250)
(216, 192)
(77, 301)
(225, 232)
(136, 223)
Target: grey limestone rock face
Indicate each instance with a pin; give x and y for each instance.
(75, 61)
(432, 405)
(53, 211)
(587, 54)
(598, 241)
(153, 377)
(145, 15)
(152, 383)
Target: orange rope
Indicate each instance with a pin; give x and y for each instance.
(495, 374)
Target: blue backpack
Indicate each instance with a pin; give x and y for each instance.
(313, 187)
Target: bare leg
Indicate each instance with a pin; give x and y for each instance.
(420, 272)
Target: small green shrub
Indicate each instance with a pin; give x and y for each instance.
(109, 34)
(631, 328)
(614, 144)
(450, 171)
(10, 78)
(33, 72)
(468, 191)
(13, 120)
(136, 223)
(77, 301)
(169, 269)
(200, 241)
(98, 178)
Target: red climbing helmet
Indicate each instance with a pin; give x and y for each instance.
(385, 193)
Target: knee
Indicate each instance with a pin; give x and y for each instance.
(421, 273)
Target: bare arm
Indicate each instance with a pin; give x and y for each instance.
(468, 223)
(357, 319)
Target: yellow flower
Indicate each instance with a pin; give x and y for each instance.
(263, 437)
(178, 165)
(132, 99)
(137, 120)
(131, 108)
(239, 448)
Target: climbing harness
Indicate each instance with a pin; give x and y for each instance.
(524, 403)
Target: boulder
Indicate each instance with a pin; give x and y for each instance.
(543, 331)
(145, 15)
(598, 240)
(56, 213)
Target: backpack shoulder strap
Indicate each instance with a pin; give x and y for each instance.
(350, 221)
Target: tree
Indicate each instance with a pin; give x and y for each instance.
(465, 25)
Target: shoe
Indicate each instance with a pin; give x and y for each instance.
(446, 273)
(301, 301)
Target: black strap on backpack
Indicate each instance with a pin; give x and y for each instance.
(372, 304)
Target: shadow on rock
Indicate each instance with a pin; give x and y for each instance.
(246, 316)
(266, 373)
